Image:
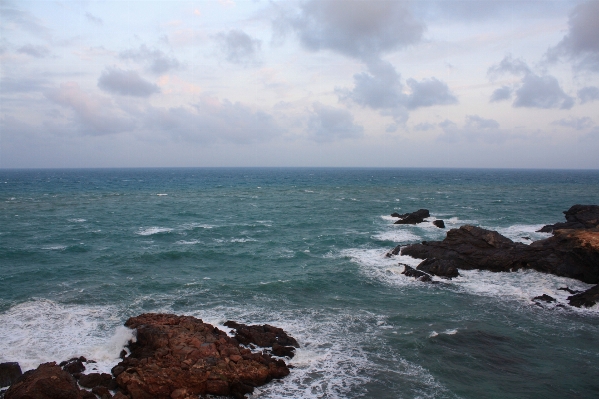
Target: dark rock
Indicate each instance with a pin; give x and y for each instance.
(395, 215)
(439, 267)
(280, 350)
(544, 298)
(439, 223)
(116, 370)
(102, 392)
(569, 253)
(414, 217)
(569, 290)
(94, 379)
(87, 394)
(48, 381)
(123, 354)
(183, 357)
(577, 217)
(261, 335)
(394, 251)
(73, 366)
(417, 274)
(587, 298)
(9, 373)
(120, 395)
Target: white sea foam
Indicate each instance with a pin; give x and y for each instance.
(243, 240)
(397, 235)
(77, 220)
(525, 233)
(153, 230)
(190, 242)
(55, 247)
(375, 265)
(40, 331)
(161, 194)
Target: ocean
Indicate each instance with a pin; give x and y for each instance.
(302, 249)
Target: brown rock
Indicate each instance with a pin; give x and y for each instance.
(48, 381)
(94, 379)
(87, 394)
(264, 336)
(102, 392)
(74, 365)
(9, 373)
(181, 356)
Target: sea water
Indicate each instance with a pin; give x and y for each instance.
(302, 249)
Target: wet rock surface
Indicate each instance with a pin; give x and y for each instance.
(577, 217)
(9, 373)
(413, 217)
(587, 298)
(48, 381)
(417, 274)
(265, 336)
(182, 357)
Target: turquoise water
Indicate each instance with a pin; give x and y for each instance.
(303, 249)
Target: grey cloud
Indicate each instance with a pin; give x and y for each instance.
(238, 46)
(92, 115)
(575, 123)
(588, 94)
(34, 51)
(475, 128)
(542, 92)
(503, 93)
(156, 60)
(475, 122)
(468, 10)
(330, 124)
(359, 29)
(508, 65)
(126, 83)
(212, 120)
(20, 85)
(93, 19)
(381, 89)
(580, 45)
(429, 92)
(424, 126)
(23, 20)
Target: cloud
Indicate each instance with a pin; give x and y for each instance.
(542, 92)
(92, 115)
(34, 51)
(13, 18)
(424, 126)
(22, 85)
(93, 19)
(580, 45)
(126, 83)
(475, 128)
(238, 46)
(355, 28)
(330, 124)
(155, 60)
(533, 91)
(575, 123)
(588, 94)
(211, 120)
(503, 93)
(381, 89)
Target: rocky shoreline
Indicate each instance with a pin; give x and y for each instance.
(172, 357)
(572, 251)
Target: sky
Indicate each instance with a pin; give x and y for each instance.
(340, 83)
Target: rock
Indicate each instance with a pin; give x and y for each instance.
(439, 267)
(569, 290)
(395, 215)
(569, 253)
(183, 357)
(394, 251)
(577, 217)
(102, 392)
(544, 298)
(87, 394)
(264, 336)
(120, 395)
(94, 379)
(411, 272)
(9, 373)
(414, 217)
(74, 365)
(439, 223)
(587, 298)
(48, 381)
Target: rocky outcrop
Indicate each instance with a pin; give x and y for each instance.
(48, 381)
(569, 253)
(587, 298)
(577, 217)
(445, 268)
(417, 274)
(439, 223)
(9, 373)
(395, 251)
(178, 357)
(265, 336)
(413, 217)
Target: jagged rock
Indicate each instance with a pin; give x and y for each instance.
(48, 381)
(74, 365)
(394, 251)
(102, 392)
(569, 253)
(264, 336)
(587, 298)
(413, 217)
(183, 357)
(569, 290)
(94, 379)
(439, 223)
(544, 298)
(417, 274)
(439, 267)
(9, 373)
(577, 217)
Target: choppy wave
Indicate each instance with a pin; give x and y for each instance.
(153, 230)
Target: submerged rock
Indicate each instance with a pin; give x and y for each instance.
(413, 217)
(439, 223)
(417, 274)
(577, 217)
(183, 357)
(544, 298)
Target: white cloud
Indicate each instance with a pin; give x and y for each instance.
(126, 83)
(575, 123)
(155, 60)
